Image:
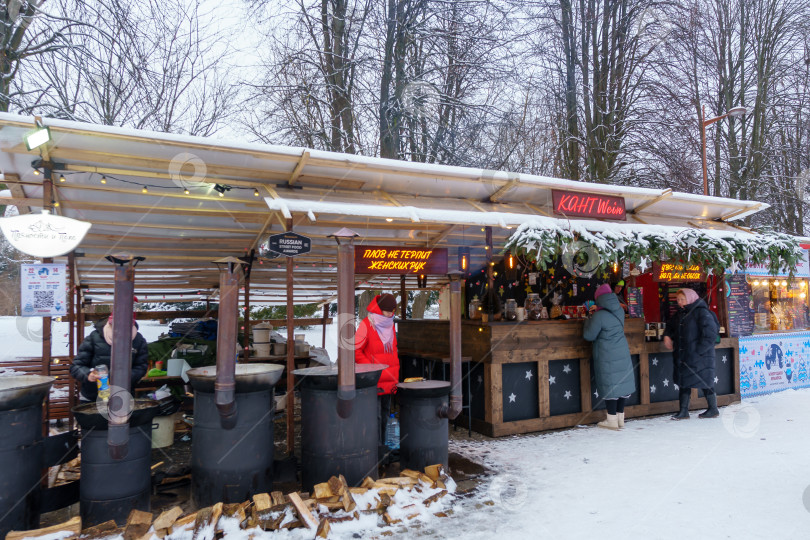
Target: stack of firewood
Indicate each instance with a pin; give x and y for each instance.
(330, 503)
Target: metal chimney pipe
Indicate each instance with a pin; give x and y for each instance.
(225, 384)
(346, 391)
(119, 406)
(454, 408)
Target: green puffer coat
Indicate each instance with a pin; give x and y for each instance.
(611, 354)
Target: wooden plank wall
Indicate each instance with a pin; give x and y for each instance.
(496, 344)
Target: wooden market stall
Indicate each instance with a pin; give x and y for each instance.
(182, 202)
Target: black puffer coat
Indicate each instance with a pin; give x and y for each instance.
(94, 351)
(693, 330)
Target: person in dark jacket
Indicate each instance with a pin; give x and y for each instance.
(611, 355)
(96, 350)
(691, 335)
(375, 342)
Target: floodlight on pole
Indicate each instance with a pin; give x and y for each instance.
(37, 137)
(735, 111)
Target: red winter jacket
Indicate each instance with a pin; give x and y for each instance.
(368, 349)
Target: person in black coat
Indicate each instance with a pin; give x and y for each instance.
(96, 350)
(691, 335)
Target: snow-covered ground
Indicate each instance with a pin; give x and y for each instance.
(743, 475)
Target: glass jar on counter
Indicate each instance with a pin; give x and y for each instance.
(534, 307)
(474, 309)
(510, 313)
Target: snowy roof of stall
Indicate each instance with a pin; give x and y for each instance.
(387, 202)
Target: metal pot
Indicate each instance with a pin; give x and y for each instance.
(249, 377)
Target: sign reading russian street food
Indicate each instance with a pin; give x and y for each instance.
(395, 260)
(677, 273)
(289, 244)
(578, 204)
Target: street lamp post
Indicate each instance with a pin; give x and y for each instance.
(736, 111)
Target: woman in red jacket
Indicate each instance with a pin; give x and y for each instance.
(376, 343)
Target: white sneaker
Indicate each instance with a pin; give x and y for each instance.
(620, 418)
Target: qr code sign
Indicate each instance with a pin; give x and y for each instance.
(43, 299)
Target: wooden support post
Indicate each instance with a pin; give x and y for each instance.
(246, 338)
(71, 315)
(403, 298)
(325, 317)
(47, 197)
(290, 354)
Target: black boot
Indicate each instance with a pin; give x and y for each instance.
(712, 411)
(683, 397)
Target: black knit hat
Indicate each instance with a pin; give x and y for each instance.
(387, 302)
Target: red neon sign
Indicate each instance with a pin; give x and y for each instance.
(576, 204)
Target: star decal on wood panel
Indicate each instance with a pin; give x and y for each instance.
(654, 361)
(529, 374)
(552, 380)
(512, 397)
(596, 394)
(724, 359)
(652, 389)
(567, 394)
(676, 387)
(566, 369)
(666, 382)
(480, 379)
(715, 380)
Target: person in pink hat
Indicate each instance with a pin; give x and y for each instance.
(612, 365)
(691, 335)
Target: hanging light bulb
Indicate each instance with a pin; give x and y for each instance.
(62, 178)
(103, 179)
(144, 190)
(510, 260)
(186, 191)
(463, 258)
(36, 172)
(255, 192)
(56, 204)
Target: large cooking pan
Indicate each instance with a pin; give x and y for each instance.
(21, 391)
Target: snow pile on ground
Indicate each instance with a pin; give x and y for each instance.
(743, 475)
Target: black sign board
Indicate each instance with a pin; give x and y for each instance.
(635, 301)
(289, 244)
(740, 310)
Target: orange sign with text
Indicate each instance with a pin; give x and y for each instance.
(395, 260)
(675, 272)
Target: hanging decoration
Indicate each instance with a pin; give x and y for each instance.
(718, 251)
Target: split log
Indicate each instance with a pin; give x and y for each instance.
(138, 524)
(358, 490)
(167, 518)
(433, 498)
(341, 519)
(303, 512)
(262, 502)
(368, 483)
(102, 530)
(183, 521)
(323, 529)
(322, 491)
(278, 498)
(72, 525)
(389, 520)
(348, 501)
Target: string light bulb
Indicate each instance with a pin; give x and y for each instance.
(144, 190)
(103, 179)
(56, 204)
(62, 178)
(186, 191)
(36, 172)
(255, 192)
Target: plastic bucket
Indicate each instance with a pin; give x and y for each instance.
(163, 431)
(262, 349)
(279, 349)
(261, 334)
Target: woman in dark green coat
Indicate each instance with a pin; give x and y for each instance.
(611, 355)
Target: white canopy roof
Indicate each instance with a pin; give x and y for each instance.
(387, 202)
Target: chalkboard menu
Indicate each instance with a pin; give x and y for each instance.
(740, 312)
(635, 301)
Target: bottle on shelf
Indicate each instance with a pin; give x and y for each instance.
(392, 433)
(103, 382)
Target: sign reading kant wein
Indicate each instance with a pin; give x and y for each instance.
(577, 204)
(393, 260)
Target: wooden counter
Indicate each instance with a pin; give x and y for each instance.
(537, 375)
